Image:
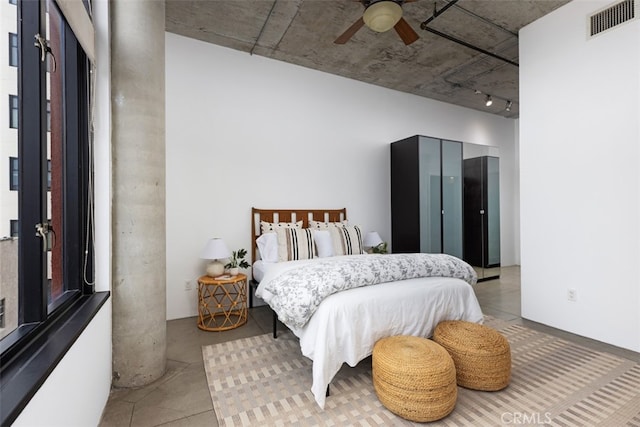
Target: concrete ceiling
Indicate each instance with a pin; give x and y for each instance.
(302, 32)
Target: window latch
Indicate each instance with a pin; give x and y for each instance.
(42, 44)
(44, 230)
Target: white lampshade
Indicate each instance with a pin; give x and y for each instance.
(372, 239)
(382, 15)
(215, 249)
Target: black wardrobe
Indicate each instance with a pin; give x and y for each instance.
(482, 215)
(426, 196)
(443, 203)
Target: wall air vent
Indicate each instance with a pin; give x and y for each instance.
(612, 16)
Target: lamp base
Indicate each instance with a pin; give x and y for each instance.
(215, 269)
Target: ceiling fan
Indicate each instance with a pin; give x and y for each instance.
(381, 16)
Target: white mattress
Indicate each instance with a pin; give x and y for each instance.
(347, 324)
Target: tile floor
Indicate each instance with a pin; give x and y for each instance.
(181, 397)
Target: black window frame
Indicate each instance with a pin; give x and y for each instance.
(13, 47)
(14, 106)
(46, 331)
(14, 174)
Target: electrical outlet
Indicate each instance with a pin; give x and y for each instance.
(187, 285)
(572, 295)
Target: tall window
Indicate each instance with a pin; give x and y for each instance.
(13, 173)
(52, 98)
(13, 1)
(13, 49)
(13, 112)
(51, 174)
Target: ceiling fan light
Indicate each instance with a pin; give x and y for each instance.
(382, 15)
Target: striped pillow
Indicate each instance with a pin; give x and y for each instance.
(294, 243)
(347, 240)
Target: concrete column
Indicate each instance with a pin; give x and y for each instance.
(138, 199)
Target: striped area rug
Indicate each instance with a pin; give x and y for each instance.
(260, 381)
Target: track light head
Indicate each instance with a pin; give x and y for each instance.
(508, 107)
(488, 101)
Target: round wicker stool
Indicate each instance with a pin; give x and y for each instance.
(414, 378)
(482, 355)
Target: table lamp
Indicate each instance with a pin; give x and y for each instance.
(372, 239)
(215, 250)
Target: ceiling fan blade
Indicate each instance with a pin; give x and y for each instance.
(405, 32)
(346, 36)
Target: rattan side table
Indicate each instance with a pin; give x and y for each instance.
(222, 303)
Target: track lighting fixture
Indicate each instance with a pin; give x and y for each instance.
(488, 99)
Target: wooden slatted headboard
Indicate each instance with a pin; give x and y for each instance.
(290, 215)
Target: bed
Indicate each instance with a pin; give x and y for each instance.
(344, 325)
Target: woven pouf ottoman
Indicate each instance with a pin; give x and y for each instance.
(414, 378)
(481, 354)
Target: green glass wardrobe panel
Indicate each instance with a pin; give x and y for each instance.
(493, 211)
(452, 198)
(429, 176)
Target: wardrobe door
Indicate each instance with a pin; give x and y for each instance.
(473, 213)
(452, 198)
(492, 203)
(482, 215)
(405, 196)
(430, 194)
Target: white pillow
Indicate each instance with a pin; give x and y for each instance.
(324, 244)
(268, 247)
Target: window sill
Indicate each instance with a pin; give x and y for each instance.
(23, 376)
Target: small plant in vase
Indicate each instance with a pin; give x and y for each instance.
(380, 249)
(237, 261)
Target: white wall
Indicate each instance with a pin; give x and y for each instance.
(83, 375)
(580, 181)
(247, 131)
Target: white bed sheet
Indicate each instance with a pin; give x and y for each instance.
(347, 324)
(259, 269)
